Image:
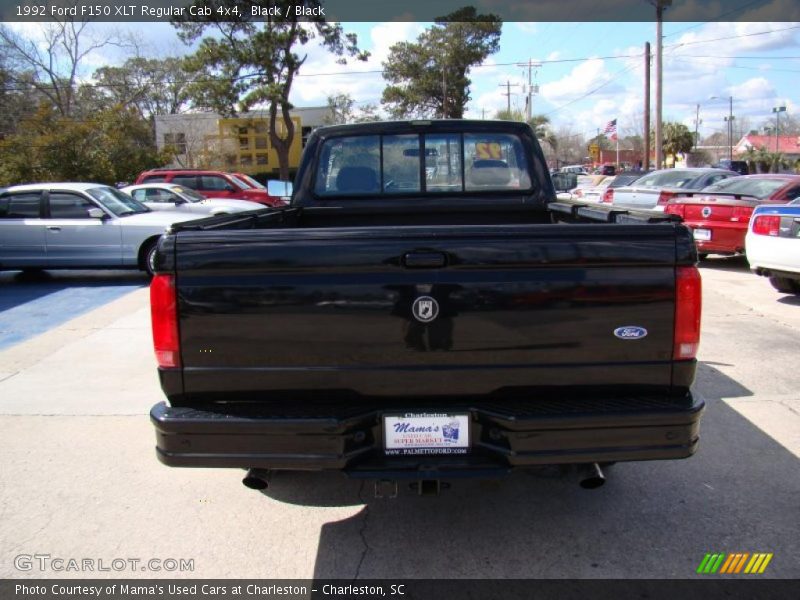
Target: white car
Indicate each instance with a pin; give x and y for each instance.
(654, 190)
(591, 187)
(772, 244)
(577, 169)
(170, 196)
(78, 226)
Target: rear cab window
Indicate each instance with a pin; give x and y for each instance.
(422, 163)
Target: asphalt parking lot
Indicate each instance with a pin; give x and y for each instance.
(80, 478)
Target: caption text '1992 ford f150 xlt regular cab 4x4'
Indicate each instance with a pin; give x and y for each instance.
(424, 309)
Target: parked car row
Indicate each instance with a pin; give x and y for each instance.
(729, 213)
(719, 214)
(90, 225)
(213, 184)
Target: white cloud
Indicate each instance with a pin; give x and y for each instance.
(580, 81)
(356, 78)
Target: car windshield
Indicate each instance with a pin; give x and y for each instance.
(116, 201)
(240, 183)
(187, 193)
(670, 178)
(250, 181)
(756, 187)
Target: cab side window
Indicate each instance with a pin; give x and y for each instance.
(159, 195)
(69, 206)
(24, 205)
(189, 181)
(213, 183)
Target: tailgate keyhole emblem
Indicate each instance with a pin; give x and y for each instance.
(706, 212)
(425, 309)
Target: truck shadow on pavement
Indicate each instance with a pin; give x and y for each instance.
(726, 263)
(18, 287)
(649, 520)
(32, 303)
(790, 300)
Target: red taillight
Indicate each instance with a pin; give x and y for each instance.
(664, 197)
(742, 213)
(767, 225)
(164, 314)
(688, 302)
(579, 192)
(676, 209)
(608, 196)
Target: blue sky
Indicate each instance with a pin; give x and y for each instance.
(581, 89)
(590, 73)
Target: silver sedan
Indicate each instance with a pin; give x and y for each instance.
(168, 196)
(78, 225)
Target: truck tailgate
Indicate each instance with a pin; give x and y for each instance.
(517, 307)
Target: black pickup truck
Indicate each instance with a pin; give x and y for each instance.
(424, 309)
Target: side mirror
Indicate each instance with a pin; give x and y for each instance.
(563, 182)
(178, 201)
(96, 213)
(280, 189)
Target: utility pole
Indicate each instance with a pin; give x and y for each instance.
(444, 86)
(529, 104)
(646, 162)
(660, 6)
(508, 86)
(696, 125)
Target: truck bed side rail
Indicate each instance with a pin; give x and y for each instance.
(572, 211)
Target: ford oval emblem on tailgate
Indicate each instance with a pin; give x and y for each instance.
(630, 332)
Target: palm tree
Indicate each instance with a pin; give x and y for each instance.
(541, 126)
(677, 139)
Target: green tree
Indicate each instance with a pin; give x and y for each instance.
(761, 160)
(341, 109)
(151, 86)
(246, 63)
(429, 77)
(113, 145)
(676, 139)
(367, 114)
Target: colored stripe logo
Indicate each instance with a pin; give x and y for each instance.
(734, 563)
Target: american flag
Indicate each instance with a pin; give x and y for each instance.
(611, 129)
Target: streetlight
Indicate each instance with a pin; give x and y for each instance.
(777, 110)
(729, 120)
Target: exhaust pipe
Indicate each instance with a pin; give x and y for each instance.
(257, 479)
(590, 476)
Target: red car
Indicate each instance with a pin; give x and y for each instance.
(211, 184)
(719, 214)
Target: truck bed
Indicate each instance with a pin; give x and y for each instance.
(523, 307)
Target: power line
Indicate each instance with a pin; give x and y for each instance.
(593, 90)
(731, 37)
(717, 19)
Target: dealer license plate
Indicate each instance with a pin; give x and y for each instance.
(703, 235)
(426, 433)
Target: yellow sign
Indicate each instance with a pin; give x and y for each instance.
(594, 152)
(488, 150)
